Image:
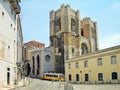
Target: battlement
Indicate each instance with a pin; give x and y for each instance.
(63, 5)
(87, 20)
(64, 10)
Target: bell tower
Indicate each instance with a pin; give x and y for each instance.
(88, 36)
(70, 37)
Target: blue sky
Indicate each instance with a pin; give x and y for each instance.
(35, 18)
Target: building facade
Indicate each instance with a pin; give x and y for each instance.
(40, 58)
(31, 46)
(74, 42)
(9, 30)
(19, 49)
(70, 36)
(97, 67)
(42, 61)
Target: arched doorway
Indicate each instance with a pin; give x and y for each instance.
(84, 49)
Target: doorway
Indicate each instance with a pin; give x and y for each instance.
(8, 78)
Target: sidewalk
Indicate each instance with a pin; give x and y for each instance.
(22, 83)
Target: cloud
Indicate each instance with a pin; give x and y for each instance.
(110, 40)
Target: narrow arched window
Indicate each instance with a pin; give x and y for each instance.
(58, 24)
(82, 32)
(73, 23)
(73, 51)
(33, 61)
(38, 61)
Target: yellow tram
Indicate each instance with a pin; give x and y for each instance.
(53, 76)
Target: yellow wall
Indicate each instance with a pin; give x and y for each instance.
(93, 69)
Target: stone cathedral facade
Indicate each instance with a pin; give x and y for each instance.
(71, 37)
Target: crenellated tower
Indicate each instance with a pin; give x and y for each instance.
(70, 37)
(88, 36)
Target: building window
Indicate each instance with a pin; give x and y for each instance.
(114, 76)
(8, 69)
(47, 58)
(8, 47)
(2, 13)
(33, 61)
(38, 61)
(70, 77)
(99, 61)
(58, 24)
(100, 77)
(77, 64)
(82, 33)
(69, 66)
(73, 23)
(86, 77)
(113, 60)
(77, 77)
(11, 25)
(84, 49)
(14, 29)
(85, 63)
(73, 50)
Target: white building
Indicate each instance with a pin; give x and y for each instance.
(9, 30)
(42, 61)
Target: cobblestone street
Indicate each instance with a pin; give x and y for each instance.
(37, 84)
(97, 87)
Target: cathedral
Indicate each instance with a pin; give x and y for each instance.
(74, 42)
(74, 51)
(71, 37)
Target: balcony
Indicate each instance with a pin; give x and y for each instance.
(15, 5)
